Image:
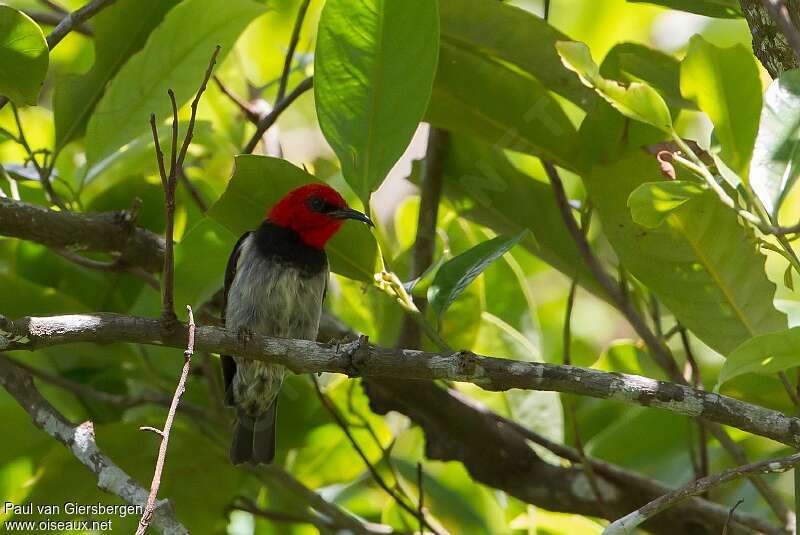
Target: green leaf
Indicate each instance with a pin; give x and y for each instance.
(513, 35)
(652, 202)
(489, 190)
(764, 354)
(258, 182)
(638, 100)
(175, 56)
(374, 68)
(120, 31)
(478, 96)
(724, 83)
(458, 272)
(776, 156)
(701, 263)
(727, 9)
(24, 57)
(632, 62)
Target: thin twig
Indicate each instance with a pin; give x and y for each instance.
(421, 501)
(628, 523)
(52, 6)
(147, 516)
(111, 267)
(54, 19)
(43, 172)
(248, 110)
(270, 118)
(730, 516)
(334, 412)
(780, 14)
(287, 64)
(249, 506)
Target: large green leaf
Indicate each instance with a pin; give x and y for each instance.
(479, 96)
(514, 35)
(728, 9)
(652, 202)
(776, 156)
(765, 354)
(120, 31)
(175, 56)
(701, 262)
(458, 272)
(24, 56)
(488, 189)
(637, 100)
(374, 67)
(725, 84)
(258, 182)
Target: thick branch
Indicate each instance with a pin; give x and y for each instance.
(109, 232)
(770, 44)
(359, 359)
(80, 441)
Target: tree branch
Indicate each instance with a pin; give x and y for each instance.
(270, 118)
(359, 359)
(630, 522)
(108, 232)
(80, 440)
(770, 44)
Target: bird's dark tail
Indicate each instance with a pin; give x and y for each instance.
(254, 438)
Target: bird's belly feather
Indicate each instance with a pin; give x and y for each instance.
(272, 299)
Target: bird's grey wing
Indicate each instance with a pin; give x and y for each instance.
(228, 364)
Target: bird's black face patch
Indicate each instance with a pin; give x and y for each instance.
(319, 205)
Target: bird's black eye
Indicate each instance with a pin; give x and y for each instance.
(316, 204)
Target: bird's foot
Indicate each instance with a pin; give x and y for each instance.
(245, 334)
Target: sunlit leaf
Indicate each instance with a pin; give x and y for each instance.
(652, 202)
(175, 56)
(374, 67)
(24, 56)
(764, 354)
(728, 9)
(725, 85)
(457, 273)
(638, 100)
(776, 157)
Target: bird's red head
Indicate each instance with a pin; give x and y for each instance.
(315, 212)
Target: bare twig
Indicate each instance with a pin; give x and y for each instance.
(170, 182)
(334, 412)
(54, 19)
(730, 517)
(80, 440)
(111, 267)
(270, 118)
(42, 171)
(780, 14)
(248, 506)
(147, 516)
(287, 64)
(629, 523)
(52, 6)
(247, 109)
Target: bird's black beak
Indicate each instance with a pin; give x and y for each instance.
(349, 213)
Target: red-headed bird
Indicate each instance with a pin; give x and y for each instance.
(274, 286)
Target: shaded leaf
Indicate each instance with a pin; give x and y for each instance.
(764, 354)
(776, 156)
(652, 202)
(701, 263)
(175, 56)
(458, 272)
(724, 83)
(24, 56)
(638, 100)
(258, 182)
(119, 32)
(512, 34)
(374, 67)
(478, 96)
(727, 9)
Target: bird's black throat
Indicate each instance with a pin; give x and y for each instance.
(285, 245)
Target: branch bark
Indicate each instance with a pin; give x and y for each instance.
(769, 44)
(357, 358)
(80, 440)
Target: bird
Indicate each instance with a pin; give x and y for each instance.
(275, 282)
